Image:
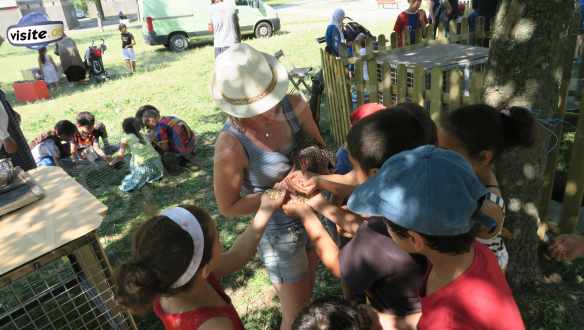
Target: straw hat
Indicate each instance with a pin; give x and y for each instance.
(247, 82)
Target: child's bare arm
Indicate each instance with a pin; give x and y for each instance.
(339, 185)
(120, 154)
(349, 222)
(98, 150)
(325, 247)
(245, 245)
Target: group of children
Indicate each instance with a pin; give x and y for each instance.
(155, 143)
(419, 216)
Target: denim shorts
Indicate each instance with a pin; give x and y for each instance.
(284, 253)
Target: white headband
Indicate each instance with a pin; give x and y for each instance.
(189, 223)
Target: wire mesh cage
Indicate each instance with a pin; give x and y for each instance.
(98, 174)
(72, 291)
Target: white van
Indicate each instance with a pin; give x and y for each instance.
(173, 23)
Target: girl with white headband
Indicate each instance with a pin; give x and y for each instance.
(178, 262)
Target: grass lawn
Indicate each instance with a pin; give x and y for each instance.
(179, 84)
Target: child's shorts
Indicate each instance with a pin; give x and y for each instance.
(128, 54)
(284, 253)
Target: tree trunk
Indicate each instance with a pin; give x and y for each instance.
(100, 14)
(526, 66)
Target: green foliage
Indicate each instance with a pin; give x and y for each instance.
(81, 4)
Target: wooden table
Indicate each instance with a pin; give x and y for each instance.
(61, 225)
(445, 56)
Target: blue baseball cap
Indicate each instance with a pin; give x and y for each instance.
(428, 190)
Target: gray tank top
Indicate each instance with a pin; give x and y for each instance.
(266, 168)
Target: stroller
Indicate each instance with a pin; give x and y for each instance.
(94, 61)
(351, 29)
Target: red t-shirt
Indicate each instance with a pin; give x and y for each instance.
(479, 299)
(411, 22)
(192, 320)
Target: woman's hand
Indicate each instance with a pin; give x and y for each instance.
(567, 247)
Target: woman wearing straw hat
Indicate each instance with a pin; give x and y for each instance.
(251, 155)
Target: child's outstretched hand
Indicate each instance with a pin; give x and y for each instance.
(303, 183)
(272, 199)
(297, 208)
(567, 247)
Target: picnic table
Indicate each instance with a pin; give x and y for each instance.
(435, 59)
(445, 56)
(53, 269)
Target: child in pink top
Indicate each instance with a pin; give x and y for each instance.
(178, 262)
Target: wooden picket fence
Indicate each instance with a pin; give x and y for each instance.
(437, 89)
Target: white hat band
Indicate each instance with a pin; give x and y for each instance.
(189, 223)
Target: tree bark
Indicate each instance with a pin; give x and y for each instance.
(526, 67)
(100, 14)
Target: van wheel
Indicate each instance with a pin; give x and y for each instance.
(178, 42)
(263, 30)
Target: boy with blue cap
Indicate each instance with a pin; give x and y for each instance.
(371, 263)
(430, 200)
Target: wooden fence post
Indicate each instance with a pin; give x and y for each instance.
(373, 82)
(476, 87)
(436, 92)
(393, 38)
(480, 34)
(359, 82)
(456, 80)
(381, 42)
(328, 87)
(406, 38)
(575, 184)
(465, 32)
(419, 85)
(387, 84)
(402, 83)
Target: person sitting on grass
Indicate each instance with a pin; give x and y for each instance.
(336, 314)
(430, 201)
(173, 138)
(410, 20)
(371, 263)
(178, 263)
(49, 148)
(145, 165)
(85, 144)
(481, 134)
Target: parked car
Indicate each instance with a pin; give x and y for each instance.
(174, 23)
(80, 13)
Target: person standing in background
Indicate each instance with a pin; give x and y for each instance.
(224, 24)
(334, 32)
(128, 43)
(48, 68)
